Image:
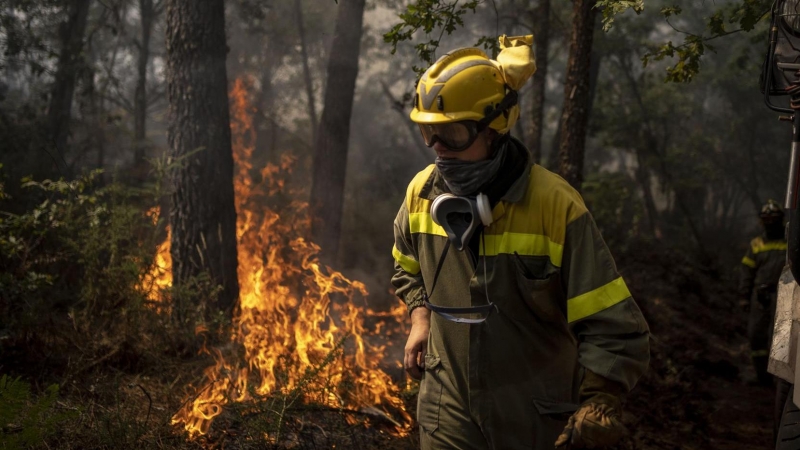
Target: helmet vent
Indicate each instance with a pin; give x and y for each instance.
(440, 103)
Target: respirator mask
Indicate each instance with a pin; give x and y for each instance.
(461, 217)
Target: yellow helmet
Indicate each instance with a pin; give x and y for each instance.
(463, 85)
(771, 212)
(466, 85)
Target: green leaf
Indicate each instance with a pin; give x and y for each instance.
(612, 8)
(671, 10)
(716, 24)
(434, 17)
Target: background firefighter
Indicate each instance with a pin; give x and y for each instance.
(760, 272)
(567, 341)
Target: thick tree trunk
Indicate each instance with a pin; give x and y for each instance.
(312, 109)
(330, 158)
(69, 63)
(541, 28)
(203, 216)
(147, 13)
(575, 115)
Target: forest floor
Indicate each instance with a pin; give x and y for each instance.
(694, 396)
(696, 393)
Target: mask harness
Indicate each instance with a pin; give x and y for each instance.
(461, 217)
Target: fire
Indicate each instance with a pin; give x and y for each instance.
(299, 323)
(159, 278)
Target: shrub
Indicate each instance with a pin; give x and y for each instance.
(24, 421)
(71, 280)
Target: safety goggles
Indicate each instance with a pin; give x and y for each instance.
(456, 136)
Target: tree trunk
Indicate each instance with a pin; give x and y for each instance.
(642, 176)
(266, 131)
(330, 158)
(147, 13)
(575, 115)
(203, 216)
(69, 63)
(312, 109)
(552, 159)
(541, 29)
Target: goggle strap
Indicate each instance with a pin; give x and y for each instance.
(507, 103)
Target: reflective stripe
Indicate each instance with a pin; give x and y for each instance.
(406, 262)
(597, 300)
(422, 222)
(757, 353)
(749, 262)
(412, 192)
(496, 244)
(524, 244)
(769, 247)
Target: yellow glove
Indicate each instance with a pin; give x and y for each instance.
(597, 423)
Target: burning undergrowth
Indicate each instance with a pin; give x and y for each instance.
(302, 334)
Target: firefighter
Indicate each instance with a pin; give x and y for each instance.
(523, 333)
(758, 285)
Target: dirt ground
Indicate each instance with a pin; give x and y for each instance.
(696, 394)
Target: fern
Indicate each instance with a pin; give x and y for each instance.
(23, 421)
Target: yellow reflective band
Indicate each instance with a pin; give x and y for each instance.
(406, 262)
(597, 300)
(749, 262)
(769, 247)
(757, 353)
(422, 222)
(524, 244)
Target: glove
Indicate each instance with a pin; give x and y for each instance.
(594, 425)
(597, 423)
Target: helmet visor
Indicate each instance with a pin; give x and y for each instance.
(456, 136)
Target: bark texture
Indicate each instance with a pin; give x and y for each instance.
(577, 95)
(541, 28)
(69, 63)
(330, 157)
(203, 216)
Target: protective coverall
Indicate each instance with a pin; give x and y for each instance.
(512, 381)
(760, 271)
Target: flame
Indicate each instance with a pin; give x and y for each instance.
(293, 314)
(159, 279)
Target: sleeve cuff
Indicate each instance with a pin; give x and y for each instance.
(415, 299)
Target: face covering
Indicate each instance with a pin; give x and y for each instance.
(468, 177)
(774, 231)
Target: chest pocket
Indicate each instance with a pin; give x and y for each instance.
(528, 286)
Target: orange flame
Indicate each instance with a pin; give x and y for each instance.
(292, 312)
(159, 279)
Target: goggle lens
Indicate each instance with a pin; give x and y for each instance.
(456, 136)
